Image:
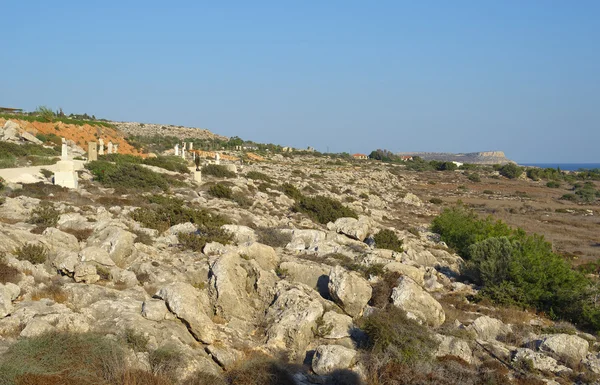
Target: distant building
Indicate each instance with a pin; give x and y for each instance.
(406, 158)
(359, 156)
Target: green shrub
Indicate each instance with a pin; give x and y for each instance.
(460, 228)
(511, 171)
(163, 212)
(127, 175)
(291, 191)
(220, 190)
(45, 215)
(553, 184)
(323, 209)
(436, 201)
(197, 241)
(136, 340)
(218, 171)
(34, 253)
(8, 273)
(569, 197)
(387, 239)
(474, 178)
(242, 200)
(61, 358)
(46, 173)
(12, 150)
(516, 268)
(255, 175)
(165, 361)
(393, 335)
(273, 237)
(171, 163)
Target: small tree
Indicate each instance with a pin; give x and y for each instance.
(511, 171)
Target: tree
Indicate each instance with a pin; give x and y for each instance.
(511, 171)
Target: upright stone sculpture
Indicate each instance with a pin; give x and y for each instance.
(116, 148)
(110, 147)
(92, 151)
(183, 152)
(177, 149)
(217, 158)
(65, 150)
(191, 144)
(101, 150)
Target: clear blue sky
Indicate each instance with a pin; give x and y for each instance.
(521, 76)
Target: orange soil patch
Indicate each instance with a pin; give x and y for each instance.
(81, 135)
(255, 157)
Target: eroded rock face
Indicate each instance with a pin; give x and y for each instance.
(565, 346)
(292, 317)
(8, 293)
(336, 325)
(189, 305)
(349, 290)
(354, 228)
(540, 361)
(417, 303)
(116, 241)
(264, 255)
(452, 346)
(328, 358)
(488, 328)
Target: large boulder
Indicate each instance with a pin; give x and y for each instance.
(227, 288)
(311, 274)
(292, 318)
(539, 361)
(10, 131)
(354, 228)
(30, 138)
(57, 240)
(96, 255)
(452, 346)
(417, 303)
(264, 255)
(8, 293)
(328, 358)
(568, 347)
(116, 241)
(189, 305)
(488, 328)
(413, 272)
(349, 290)
(241, 234)
(336, 325)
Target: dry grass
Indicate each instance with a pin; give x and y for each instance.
(53, 290)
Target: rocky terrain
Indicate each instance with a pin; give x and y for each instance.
(191, 301)
(181, 132)
(484, 157)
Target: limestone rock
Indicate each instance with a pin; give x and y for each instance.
(565, 346)
(328, 358)
(155, 310)
(8, 293)
(116, 241)
(97, 255)
(186, 228)
(10, 131)
(354, 228)
(185, 302)
(85, 272)
(264, 255)
(415, 273)
(540, 361)
(488, 328)
(36, 328)
(241, 234)
(336, 325)
(226, 357)
(452, 346)
(292, 318)
(30, 138)
(349, 290)
(412, 199)
(57, 240)
(227, 288)
(417, 303)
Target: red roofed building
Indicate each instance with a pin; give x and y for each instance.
(359, 156)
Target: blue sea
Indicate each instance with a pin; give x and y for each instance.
(565, 166)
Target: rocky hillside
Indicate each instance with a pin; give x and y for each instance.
(485, 157)
(181, 132)
(296, 270)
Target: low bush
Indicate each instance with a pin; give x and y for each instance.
(474, 178)
(518, 269)
(8, 273)
(553, 184)
(382, 290)
(322, 209)
(291, 191)
(34, 253)
(171, 163)
(80, 234)
(273, 237)
(165, 361)
(218, 171)
(127, 175)
(220, 190)
(242, 200)
(45, 215)
(197, 241)
(136, 340)
(260, 370)
(393, 335)
(387, 239)
(13, 150)
(46, 173)
(255, 175)
(162, 212)
(436, 201)
(510, 171)
(61, 358)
